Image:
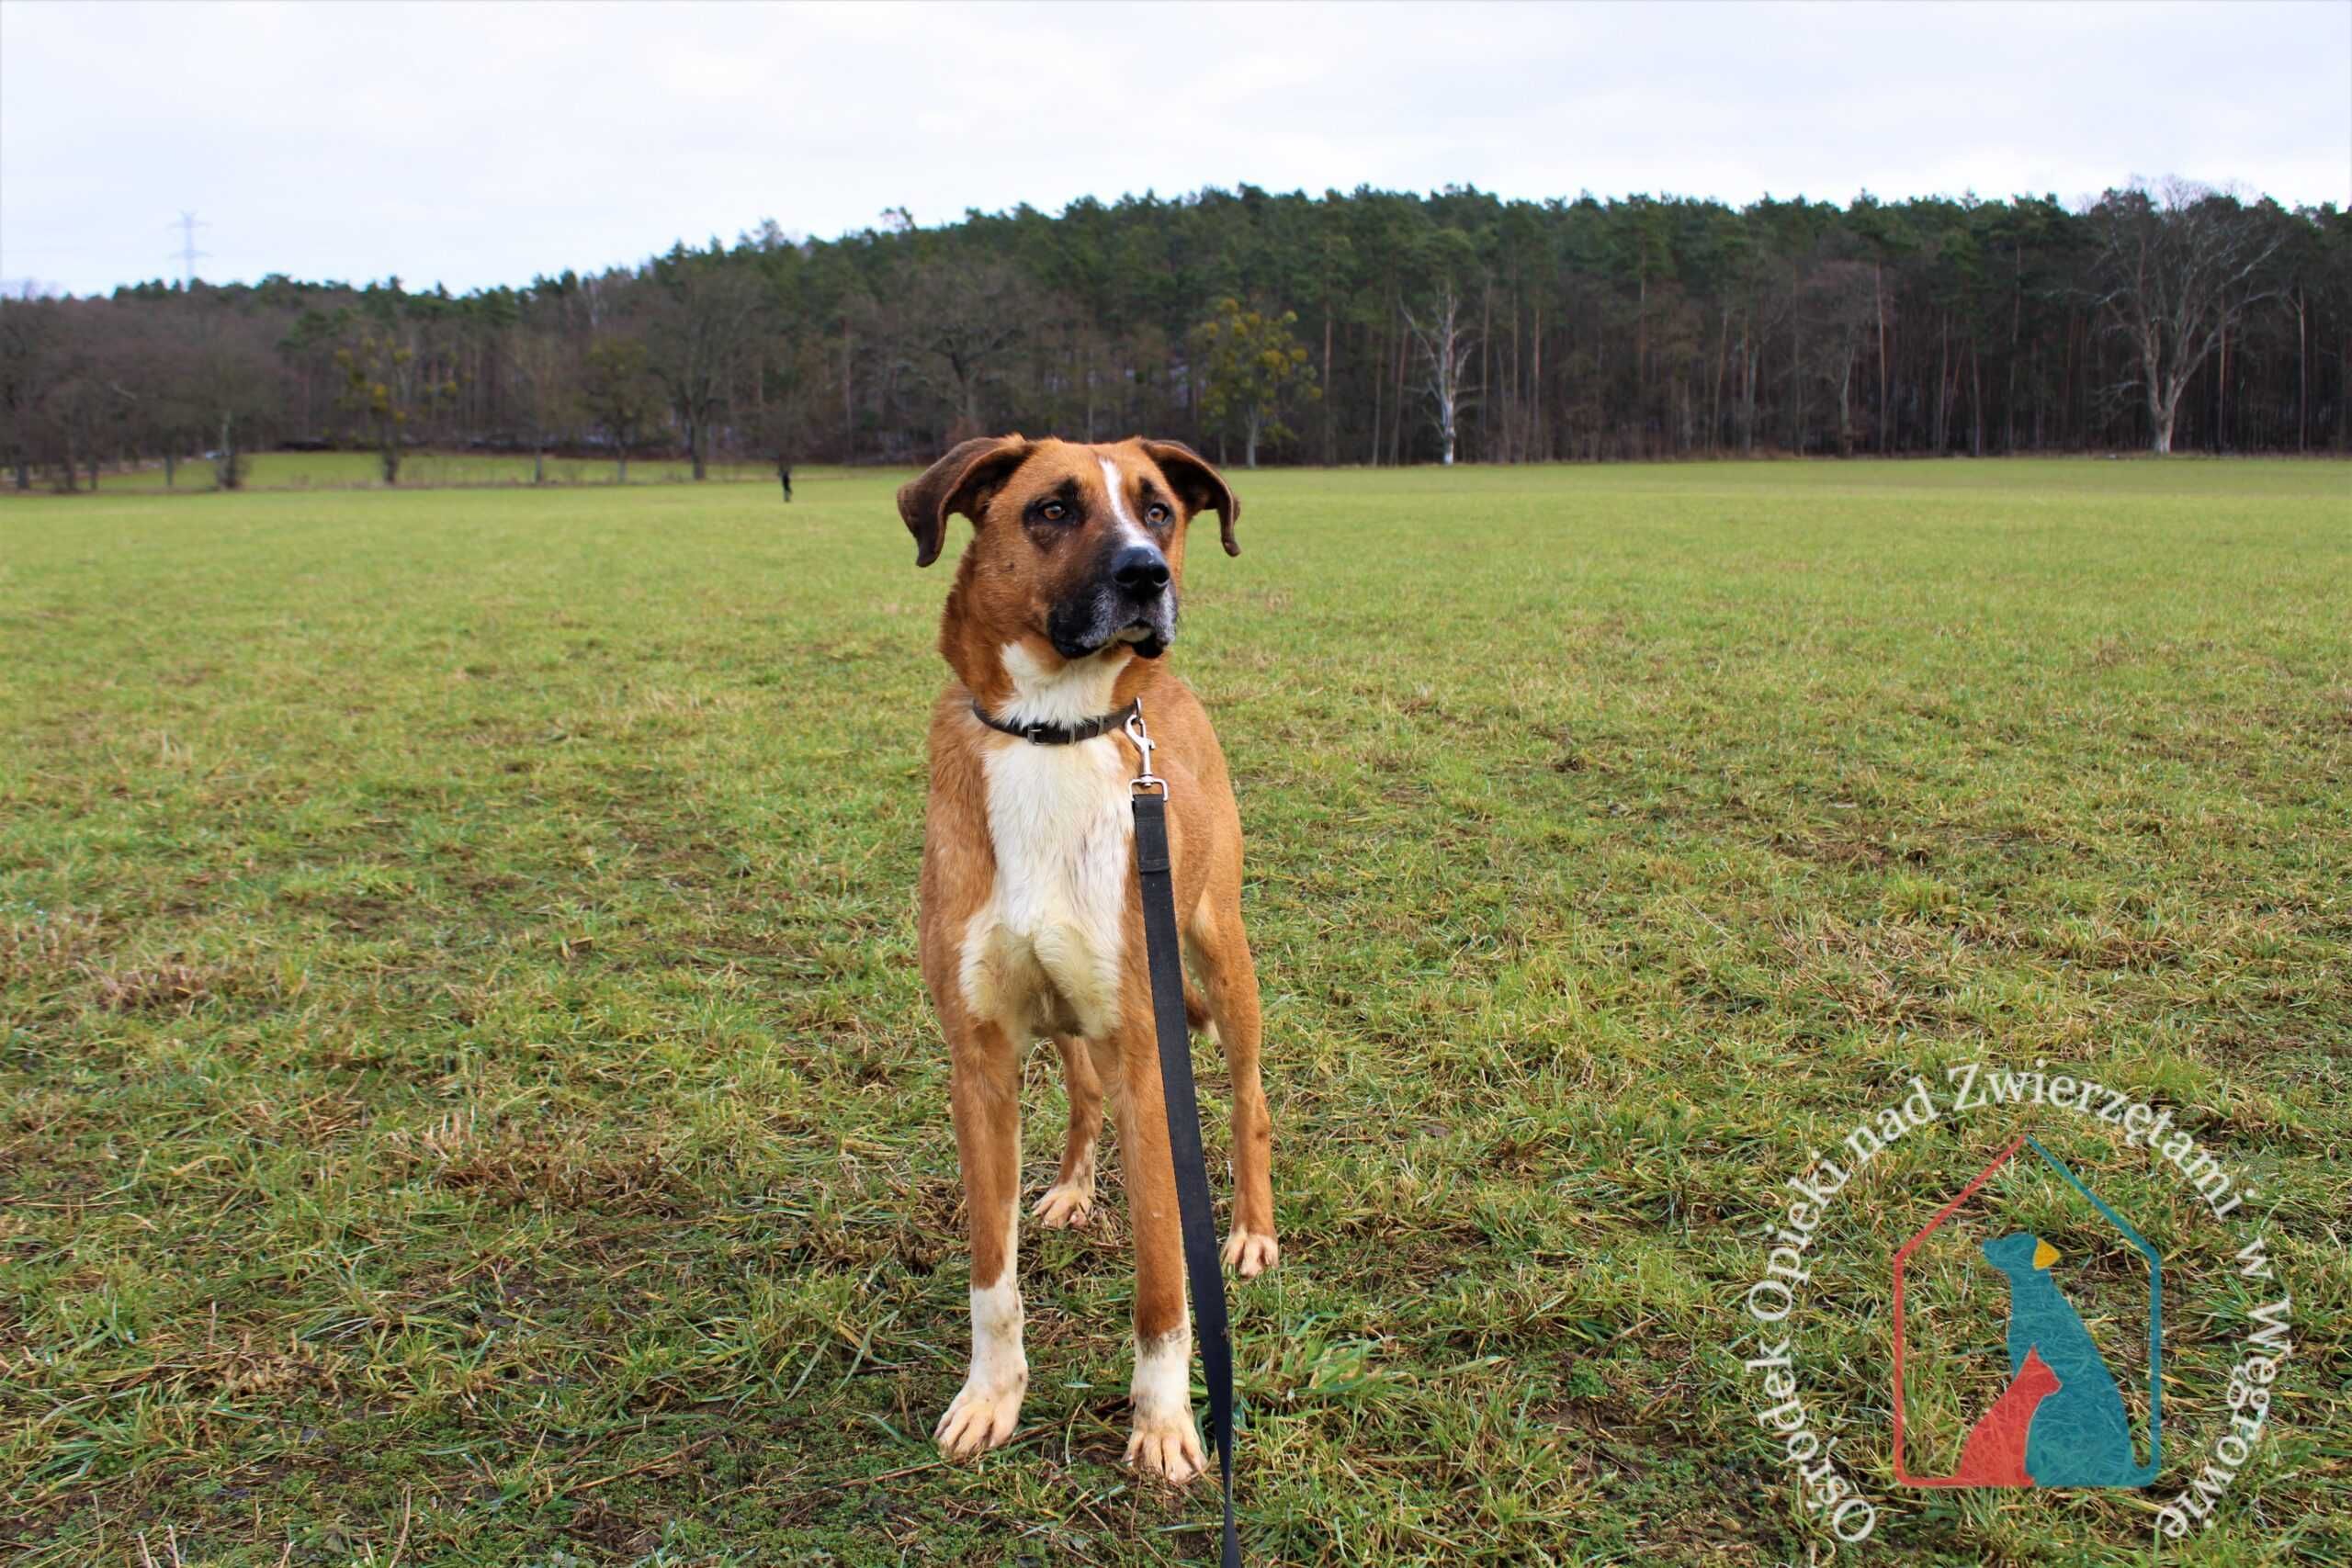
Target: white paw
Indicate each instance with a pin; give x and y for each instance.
(1166, 1446)
(1066, 1203)
(982, 1417)
(1251, 1252)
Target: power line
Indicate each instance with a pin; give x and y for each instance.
(187, 252)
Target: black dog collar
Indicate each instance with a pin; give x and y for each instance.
(1054, 734)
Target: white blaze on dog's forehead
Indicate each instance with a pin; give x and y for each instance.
(1119, 513)
(1111, 482)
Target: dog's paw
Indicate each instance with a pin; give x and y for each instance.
(982, 1417)
(1251, 1252)
(1167, 1447)
(1066, 1203)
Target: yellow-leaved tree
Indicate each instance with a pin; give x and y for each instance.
(382, 389)
(1251, 366)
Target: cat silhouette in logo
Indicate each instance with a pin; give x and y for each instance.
(1994, 1452)
(2080, 1434)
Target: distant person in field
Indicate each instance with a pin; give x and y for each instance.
(783, 474)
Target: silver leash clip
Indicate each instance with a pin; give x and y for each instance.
(1141, 784)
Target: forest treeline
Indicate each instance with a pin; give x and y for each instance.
(1364, 328)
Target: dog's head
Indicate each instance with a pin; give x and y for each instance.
(1082, 546)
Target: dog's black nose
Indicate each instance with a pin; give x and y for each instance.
(1141, 571)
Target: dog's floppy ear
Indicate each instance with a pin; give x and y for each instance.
(955, 484)
(1201, 488)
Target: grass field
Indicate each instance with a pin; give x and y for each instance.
(419, 470)
(470, 1099)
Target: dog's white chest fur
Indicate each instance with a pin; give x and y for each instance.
(1045, 954)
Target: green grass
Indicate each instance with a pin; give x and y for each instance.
(470, 1099)
(419, 470)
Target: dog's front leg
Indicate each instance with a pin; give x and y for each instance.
(1165, 1442)
(985, 1082)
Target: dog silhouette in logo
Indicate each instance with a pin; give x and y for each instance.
(2061, 1395)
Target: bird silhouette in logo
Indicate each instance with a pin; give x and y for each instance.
(2061, 1395)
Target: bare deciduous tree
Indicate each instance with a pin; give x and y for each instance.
(959, 322)
(230, 392)
(32, 355)
(699, 325)
(2179, 266)
(547, 390)
(620, 394)
(791, 388)
(1446, 339)
(80, 410)
(1840, 306)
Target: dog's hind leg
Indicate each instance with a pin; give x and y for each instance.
(1220, 950)
(1071, 1199)
(1197, 1016)
(984, 1089)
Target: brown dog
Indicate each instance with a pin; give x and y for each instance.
(1062, 607)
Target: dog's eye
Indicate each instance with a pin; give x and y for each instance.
(1053, 511)
(1156, 514)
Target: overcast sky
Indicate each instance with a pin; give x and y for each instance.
(482, 144)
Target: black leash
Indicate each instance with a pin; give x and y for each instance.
(1195, 1214)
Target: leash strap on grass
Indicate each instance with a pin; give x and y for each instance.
(1195, 1211)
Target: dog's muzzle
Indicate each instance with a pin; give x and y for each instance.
(1132, 600)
